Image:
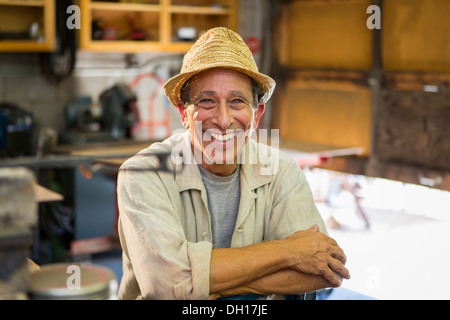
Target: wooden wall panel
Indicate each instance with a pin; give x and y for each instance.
(414, 128)
(416, 35)
(325, 35)
(329, 94)
(332, 117)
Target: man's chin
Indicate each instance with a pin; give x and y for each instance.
(219, 159)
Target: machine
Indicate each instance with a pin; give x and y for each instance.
(18, 133)
(110, 119)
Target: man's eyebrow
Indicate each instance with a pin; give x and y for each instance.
(203, 93)
(238, 93)
(206, 93)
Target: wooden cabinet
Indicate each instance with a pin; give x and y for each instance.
(322, 58)
(151, 25)
(27, 25)
(385, 91)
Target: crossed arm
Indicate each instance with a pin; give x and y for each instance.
(303, 262)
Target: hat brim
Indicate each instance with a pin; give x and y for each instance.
(173, 86)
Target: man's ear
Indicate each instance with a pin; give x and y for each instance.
(182, 110)
(259, 112)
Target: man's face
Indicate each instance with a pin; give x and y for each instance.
(220, 115)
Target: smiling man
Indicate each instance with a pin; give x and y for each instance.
(220, 110)
(223, 226)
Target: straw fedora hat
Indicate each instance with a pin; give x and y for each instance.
(218, 48)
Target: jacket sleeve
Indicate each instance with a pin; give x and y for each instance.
(159, 263)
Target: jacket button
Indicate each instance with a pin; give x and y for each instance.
(204, 234)
(240, 229)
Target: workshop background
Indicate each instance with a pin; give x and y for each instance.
(362, 103)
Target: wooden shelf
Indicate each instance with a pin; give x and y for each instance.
(159, 21)
(123, 45)
(25, 3)
(16, 17)
(126, 6)
(24, 46)
(200, 10)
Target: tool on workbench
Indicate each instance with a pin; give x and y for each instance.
(111, 119)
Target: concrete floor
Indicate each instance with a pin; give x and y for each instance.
(405, 254)
(402, 256)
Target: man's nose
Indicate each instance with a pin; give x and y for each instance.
(223, 116)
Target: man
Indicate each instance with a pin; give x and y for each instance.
(225, 224)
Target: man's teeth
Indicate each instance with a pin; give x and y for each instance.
(222, 137)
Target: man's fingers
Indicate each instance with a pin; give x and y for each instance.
(336, 273)
(334, 279)
(339, 255)
(337, 267)
(333, 250)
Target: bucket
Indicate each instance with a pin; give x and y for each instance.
(71, 281)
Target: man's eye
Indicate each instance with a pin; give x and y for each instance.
(206, 103)
(238, 103)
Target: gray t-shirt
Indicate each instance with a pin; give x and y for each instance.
(223, 204)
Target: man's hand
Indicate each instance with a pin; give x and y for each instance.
(306, 261)
(317, 254)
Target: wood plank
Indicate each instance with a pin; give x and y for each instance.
(50, 24)
(165, 23)
(326, 79)
(326, 116)
(322, 150)
(414, 128)
(125, 7)
(25, 46)
(23, 3)
(86, 24)
(200, 10)
(326, 35)
(416, 35)
(416, 81)
(43, 194)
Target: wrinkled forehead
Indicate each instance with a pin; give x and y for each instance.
(220, 78)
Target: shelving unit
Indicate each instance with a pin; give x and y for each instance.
(27, 25)
(146, 25)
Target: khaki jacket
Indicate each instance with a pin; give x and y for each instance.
(164, 223)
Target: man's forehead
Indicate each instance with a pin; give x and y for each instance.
(211, 80)
(222, 72)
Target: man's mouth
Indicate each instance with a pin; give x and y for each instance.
(222, 137)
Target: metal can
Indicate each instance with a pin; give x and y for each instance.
(72, 281)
